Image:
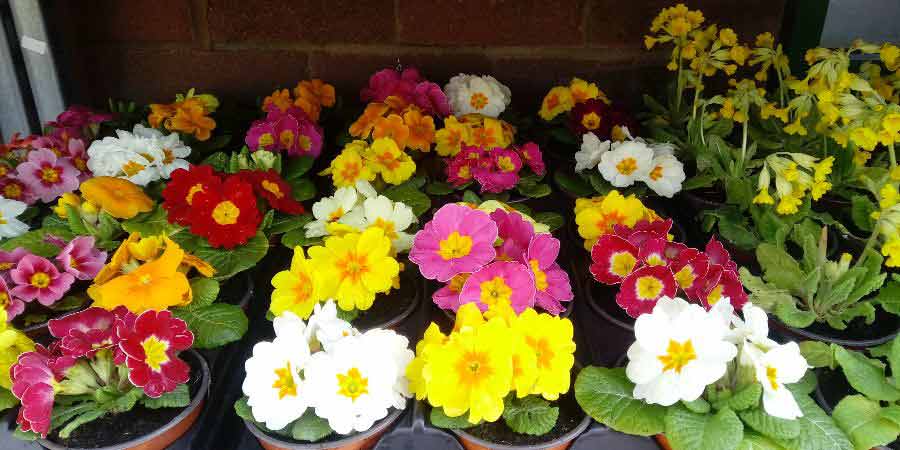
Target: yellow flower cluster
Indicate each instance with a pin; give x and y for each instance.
(767, 55)
(795, 174)
(598, 215)
(189, 114)
(361, 161)
(408, 128)
(351, 269)
(743, 95)
(888, 218)
(486, 357)
(473, 130)
(561, 99)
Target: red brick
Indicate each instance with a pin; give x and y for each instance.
(354, 21)
(612, 25)
(491, 22)
(123, 21)
(146, 75)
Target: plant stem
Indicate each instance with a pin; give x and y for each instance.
(892, 155)
(697, 97)
(678, 88)
(869, 244)
(780, 86)
(743, 148)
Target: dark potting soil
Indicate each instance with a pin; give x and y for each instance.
(570, 415)
(394, 303)
(885, 324)
(115, 429)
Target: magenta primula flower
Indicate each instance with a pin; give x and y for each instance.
(644, 287)
(54, 144)
(431, 99)
(86, 332)
(531, 154)
(613, 258)
(81, 259)
(499, 171)
(37, 278)
(447, 297)
(457, 240)
(718, 255)
(79, 158)
(14, 189)
(408, 86)
(151, 347)
(514, 231)
(78, 116)
(551, 282)
(690, 268)
(47, 175)
(9, 261)
(718, 284)
(459, 171)
(643, 230)
(9, 302)
(288, 131)
(33, 382)
(652, 252)
(500, 283)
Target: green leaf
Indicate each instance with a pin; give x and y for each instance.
(530, 415)
(218, 161)
(439, 188)
(204, 291)
(179, 398)
(214, 325)
(573, 184)
(817, 430)
(297, 237)
(283, 224)
(534, 190)
(606, 395)
(553, 220)
(440, 419)
(28, 436)
(229, 262)
(893, 359)
(818, 354)
(243, 410)
(780, 268)
(755, 441)
(471, 197)
(699, 181)
(861, 420)
(699, 406)
(267, 220)
(861, 210)
(302, 189)
(866, 375)
(151, 223)
(7, 399)
(738, 191)
(310, 427)
(83, 418)
(746, 398)
(33, 241)
(409, 194)
(76, 223)
(889, 297)
(108, 227)
(773, 427)
(688, 430)
(296, 167)
(762, 294)
(792, 316)
(126, 401)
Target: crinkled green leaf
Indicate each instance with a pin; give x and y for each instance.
(179, 398)
(606, 395)
(817, 430)
(688, 430)
(530, 415)
(440, 419)
(553, 220)
(866, 375)
(310, 427)
(780, 268)
(746, 398)
(773, 427)
(214, 325)
(861, 420)
(818, 354)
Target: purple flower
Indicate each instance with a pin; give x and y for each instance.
(37, 278)
(81, 259)
(48, 175)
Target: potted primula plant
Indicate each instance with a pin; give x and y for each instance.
(111, 379)
(862, 399)
(500, 380)
(323, 384)
(486, 257)
(701, 379)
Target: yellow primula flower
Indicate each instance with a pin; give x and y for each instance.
(360, 264)
(300, 288)
(70, 199)
(119, 197)
(728, 37)
(788, 204)
(557, 101)
(583, 91)
(765, 40)
(890, 56)
(763, 198)
(891, 123)
(12, 344)
(796, 127)
(449, 139)
(386, 158)
(348, 167)
(433, 339)
(819, 188)
(550, 338)
(891, 249)
(823, 169)
(888, 196)
(421, 130)
(864, 137)
(614, 209)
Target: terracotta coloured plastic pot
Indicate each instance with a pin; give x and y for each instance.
(163, 437)
(663, 442)
(360, 441)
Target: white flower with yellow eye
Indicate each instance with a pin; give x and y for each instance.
(325, 328)
(592, 149)
(776, 367)
(472, 94)
(392, 217)
(330, 210)
(626, 163)
(10, 225)
(665, 176)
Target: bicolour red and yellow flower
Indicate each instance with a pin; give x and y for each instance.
(151, 348)
(277, 193)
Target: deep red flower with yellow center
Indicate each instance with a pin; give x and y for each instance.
(180, 192)
(270, 186)
(226, 217)
(151, 346)
(591, 116)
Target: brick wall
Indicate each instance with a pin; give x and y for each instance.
(241, 49)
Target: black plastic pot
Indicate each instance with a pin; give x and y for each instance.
(384, 312)
(601, 437)
(164, 436)
(608, 330)
(358, 441)
(858, 335)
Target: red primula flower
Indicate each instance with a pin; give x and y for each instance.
(643, 230)
(85, 333)
(644, 287)
(151, 347)
(179, 193)
(33, 377)
(270, 186)
(718, 255)
(614, 258)
(226, 217)
(591, 116)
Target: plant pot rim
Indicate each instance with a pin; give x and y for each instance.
(393, 321)
(191, 408)
(595, 306)
(248, 293)
(379, 427)
(852, 343)
(568, 437)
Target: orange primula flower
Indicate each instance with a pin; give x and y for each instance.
(311, 108)
(366, 122)
(421, 129)
(159, 113)
(191, 118)
(281, 99)
(316, 91)
(393, 127)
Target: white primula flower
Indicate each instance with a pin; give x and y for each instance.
(274, 388)
(354, 383)
(365, 189)
(679, 349)
(331, 209)
(753, 328)
(10, 225)
(781, 365)
(142, 156)
(665, 176)
(484, 95)
(626, 162)
(392, 217)
(592, 149)
(173, 150)
(325, 328)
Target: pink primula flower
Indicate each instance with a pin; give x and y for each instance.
(86, 332)
(500, 283)
(32, 383)
(531, 154)
(551, 282)
(499, 171)
(9, 302)
(81, 259)
(457, 240)
(37, 278)
(288, 131)
(447, 297)
(14, 189)
(79, 158)
(514, 231)
(47, 175)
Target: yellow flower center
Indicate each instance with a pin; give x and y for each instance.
(714, 296)
(132, 168)
(685, 277)
(771, 373)
(591, 121)
(40, 280)
(286, 138)
(226, 213)
(352, 384)
(505, 163)
(303, 289)
(350, 171)
(387, 226)
(13, 191)
(50, 174)
(456, 283)
(388, 160)
(473, 368)
(656, 173)
(155, 352)
(6, 265)
(495, 292)
(2, 219)
(284, 382)
(627, 166)
(542, 350)
(168, 156)
(455, 246)
(622, 264)
(478, 101)
(4, 299)
(189, 198)
(266, 140)
(304, 143)
(352, 266)
(678, 355)
(654, 259)
(73, 263)
(540, 278)
(273, 188)
(336, 214)
(464, 172)
(648, 288)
